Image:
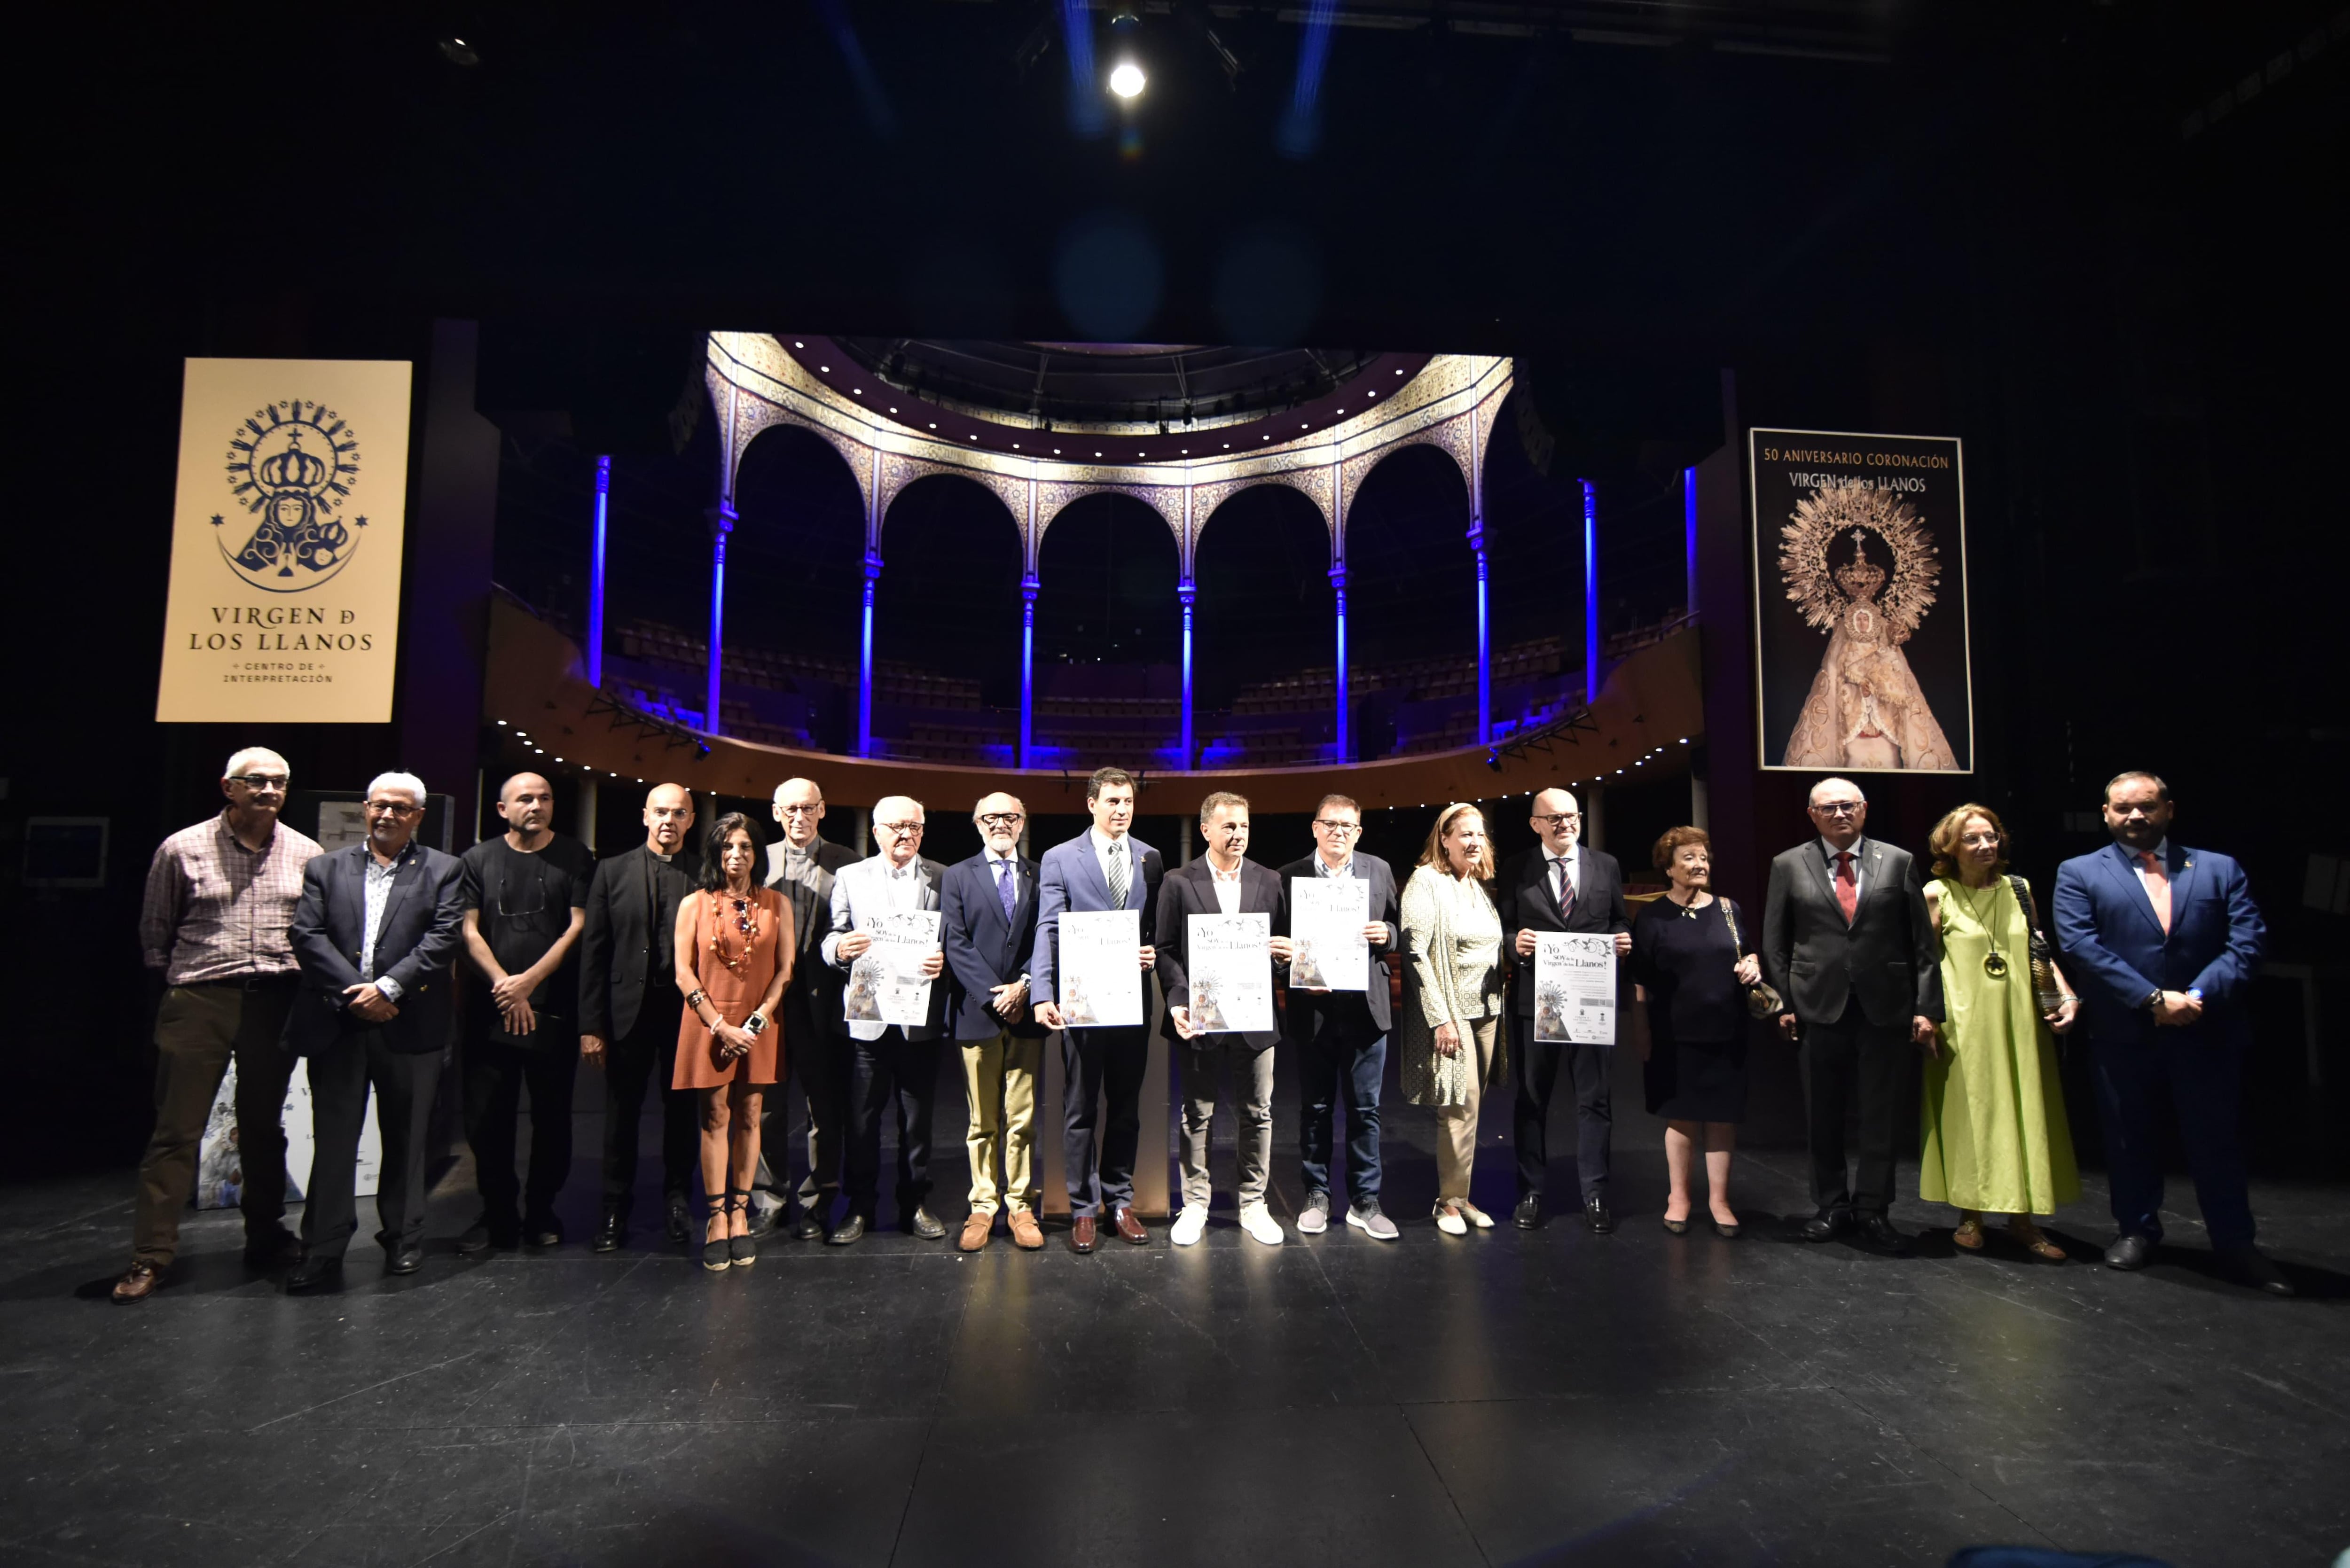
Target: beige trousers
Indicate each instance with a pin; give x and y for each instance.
(999, 1085)
(1456, 1126)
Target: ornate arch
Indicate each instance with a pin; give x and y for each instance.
(1451, 437)
(1054, 497)
(900, 473)
(755, 416)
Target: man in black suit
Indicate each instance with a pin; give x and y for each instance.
(989, 933)
(1341, 1037)
(377, 928)
(1223, 882)
(1847, 942)
(630, 1010)
(801, 865)
(1559, 885)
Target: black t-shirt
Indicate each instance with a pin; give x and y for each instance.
(526, 902)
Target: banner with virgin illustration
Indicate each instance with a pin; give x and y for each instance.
(1861, 652)
(285, 537)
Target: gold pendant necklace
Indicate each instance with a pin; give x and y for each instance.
(1994, 961)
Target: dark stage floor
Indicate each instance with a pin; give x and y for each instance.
(1552, 1397)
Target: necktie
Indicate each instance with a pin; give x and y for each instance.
(2157, 886)
(1565, 888)
(1848, 886)
(1004, 887)
(1117, 879)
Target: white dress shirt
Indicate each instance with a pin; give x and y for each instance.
(379, 878)
(1831, 851)
(1564, 874)
(1228, 887)
(1107, 848)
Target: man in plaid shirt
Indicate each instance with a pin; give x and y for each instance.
(220, 899)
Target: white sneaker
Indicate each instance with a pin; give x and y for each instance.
(1448, 1220)
(1190, 1226)
(1259, 1223)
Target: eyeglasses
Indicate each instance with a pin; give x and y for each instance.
(800, 810)
(1842, 807)
(1002, 819)
(902, 829)
(259, 780)
(1337, 829)
(1559, 819)
(391, 808)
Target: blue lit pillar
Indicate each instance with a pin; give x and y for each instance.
(1591, 671)
(1338, 587)
(721, 522)
(1689, 542)
(1028, 587)
(864, 660)
(596, 575)
(1484, 637)
(1187, 591)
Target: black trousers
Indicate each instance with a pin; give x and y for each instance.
(340, 1073)
(1536, 1063)
(820, 1061)
(1847, 1062)
(892, 1071)
(1097, 1151)
(647, 1053)
(491, 1079)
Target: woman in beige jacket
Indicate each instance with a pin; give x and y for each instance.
(1448, 1045)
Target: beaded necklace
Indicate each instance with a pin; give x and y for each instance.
(746, 920)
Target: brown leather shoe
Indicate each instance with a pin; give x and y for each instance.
(1026, 1234)
(1130, 1229)
(138, 1282)
(1081, 1233)
(975, 1230)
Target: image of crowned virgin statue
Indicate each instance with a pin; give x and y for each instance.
(1860, 566)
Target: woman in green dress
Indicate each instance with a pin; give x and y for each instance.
(1996, 1138)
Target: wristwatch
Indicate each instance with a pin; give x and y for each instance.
(752, 1024)
(2153, 1000)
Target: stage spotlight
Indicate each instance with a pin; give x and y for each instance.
(1126, 80)
(458, 52)
(1493, 761)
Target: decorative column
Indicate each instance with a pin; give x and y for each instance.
(1485, 638)
(1028, 587)
(1187, 591)
(1591, 670)
(596, 575)
(864, 658)
(1688, 545)
(1338, 587)
(721, 522)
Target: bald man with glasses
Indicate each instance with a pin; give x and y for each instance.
(1847, 942)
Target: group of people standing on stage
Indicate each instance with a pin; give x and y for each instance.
(727, 980)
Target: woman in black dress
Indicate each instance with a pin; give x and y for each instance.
(1690, 953)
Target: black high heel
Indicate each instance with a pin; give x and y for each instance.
(715, 1254)
(1678, 1227)
(743, 1250)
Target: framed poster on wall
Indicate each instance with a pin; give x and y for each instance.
(1861, 654)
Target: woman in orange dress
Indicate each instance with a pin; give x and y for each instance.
(735, 946)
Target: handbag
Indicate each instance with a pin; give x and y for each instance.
(1763, 1000)
(2047, 990)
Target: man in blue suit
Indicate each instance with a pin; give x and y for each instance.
(1106, 868)
(2162, 940)
(990, 934)
(377, 928)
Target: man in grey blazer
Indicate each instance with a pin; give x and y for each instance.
(1223, 882)
(891, 1064)
(1846, 940)
(1106, 868)
(801, 865)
